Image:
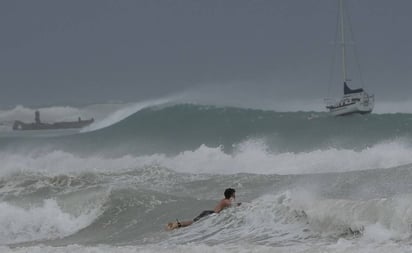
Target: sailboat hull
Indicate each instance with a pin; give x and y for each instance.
(354, 100)
(356, 108)
(360, 103)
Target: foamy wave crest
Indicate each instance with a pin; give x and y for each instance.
(60, 162)
(377, 220)
(252, 156)
(123, 113)
(296, 216)
(268, 220)
(342, 246)
(49, 221)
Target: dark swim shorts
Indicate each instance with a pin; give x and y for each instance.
(203, 214)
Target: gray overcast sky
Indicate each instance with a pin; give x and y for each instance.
(87, 51)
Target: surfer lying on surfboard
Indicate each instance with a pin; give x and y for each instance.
(224, 203)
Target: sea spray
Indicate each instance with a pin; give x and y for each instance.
(46, 221)
(307, 182)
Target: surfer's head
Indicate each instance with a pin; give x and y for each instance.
(229, 193)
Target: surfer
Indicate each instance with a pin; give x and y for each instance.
(224, 203)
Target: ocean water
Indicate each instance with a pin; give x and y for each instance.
(308, 182)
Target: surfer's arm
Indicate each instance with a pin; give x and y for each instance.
(178, 224)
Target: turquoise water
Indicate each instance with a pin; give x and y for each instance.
(308, 182)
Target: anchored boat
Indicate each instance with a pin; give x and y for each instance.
(353, 100)
(38, 125)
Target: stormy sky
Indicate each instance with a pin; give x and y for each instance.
(92, 51)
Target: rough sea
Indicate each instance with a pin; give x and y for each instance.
(308, 182)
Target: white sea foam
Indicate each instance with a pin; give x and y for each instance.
(340, 247)
(47, 221)
(379, 220)
(267, 220)
(60, 162)
(288, 218)
(249, 157)
(275, 223)
(254, 157)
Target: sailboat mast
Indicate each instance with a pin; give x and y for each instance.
(343, 44)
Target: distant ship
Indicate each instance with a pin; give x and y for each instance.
(38, 125)
(353, 100)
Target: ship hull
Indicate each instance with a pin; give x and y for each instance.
(21, 126)
(355, 108)
(352, 103)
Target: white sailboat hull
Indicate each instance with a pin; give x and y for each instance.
(361, 103)
(351, 109)
(354, 100)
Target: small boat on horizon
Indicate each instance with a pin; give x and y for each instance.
(38, 125)
(353, 100)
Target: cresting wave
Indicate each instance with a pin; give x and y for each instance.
(123, 113)
(276, 218)
(252, 156)
(46, 221)
(308, 182)
(111, 113)
(104, 114)
(173, 129)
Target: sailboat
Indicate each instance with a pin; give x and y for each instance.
(353, 100)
